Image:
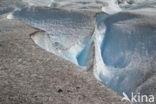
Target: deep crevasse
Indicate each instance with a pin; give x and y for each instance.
(120, 51)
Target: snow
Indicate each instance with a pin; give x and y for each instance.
(115, 40)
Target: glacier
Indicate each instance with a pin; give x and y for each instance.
(113, 40)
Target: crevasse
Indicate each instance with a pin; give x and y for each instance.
(116, 45)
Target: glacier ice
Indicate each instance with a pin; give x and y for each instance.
(116, 43)
(128, 49)
(109, 6)
(68, 32)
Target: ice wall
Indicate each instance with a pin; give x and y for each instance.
(68, 32)
(127, 50)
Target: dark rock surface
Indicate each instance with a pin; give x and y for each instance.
(30, 75)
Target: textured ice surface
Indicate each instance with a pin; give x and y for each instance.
(62, 26)
(109, 6)
(116, 43)
(7, 6)
(128, 49)
(68, 32)
(136, 4)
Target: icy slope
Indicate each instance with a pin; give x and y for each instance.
(109, 6)
(7, 6)
(127, 50)
(68, 32)
(136, 4)
(117, 45)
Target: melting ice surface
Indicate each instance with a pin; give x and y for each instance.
(117, 44)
